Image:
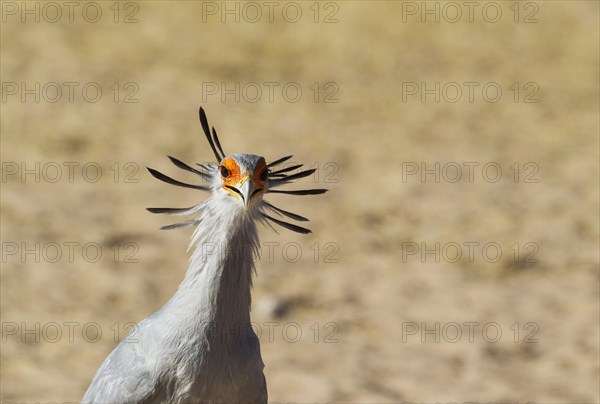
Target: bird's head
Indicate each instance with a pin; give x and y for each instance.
(243, 177)
(241, 180)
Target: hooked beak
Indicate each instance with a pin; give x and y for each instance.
(245, 191)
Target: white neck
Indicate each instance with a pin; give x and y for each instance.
(215, 293)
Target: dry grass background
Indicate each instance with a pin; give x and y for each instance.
(369, 213)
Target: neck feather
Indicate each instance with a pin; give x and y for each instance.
(216, 287)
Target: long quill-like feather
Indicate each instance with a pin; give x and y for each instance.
(169, 180)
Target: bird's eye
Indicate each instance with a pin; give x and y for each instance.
(224, 172)
(264, 175)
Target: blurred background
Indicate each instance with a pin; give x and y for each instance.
(455, 257)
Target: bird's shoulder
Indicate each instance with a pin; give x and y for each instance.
(125, 376)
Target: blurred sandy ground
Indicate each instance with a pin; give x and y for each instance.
(371, 294)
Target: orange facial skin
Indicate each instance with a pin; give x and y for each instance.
(235, 176)
(261, 166)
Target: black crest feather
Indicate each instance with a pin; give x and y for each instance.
(290, 226)
(300, 192)
(169, 180)
(281, 160)
(211, 141)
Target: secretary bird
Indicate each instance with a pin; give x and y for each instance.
(199, 347)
